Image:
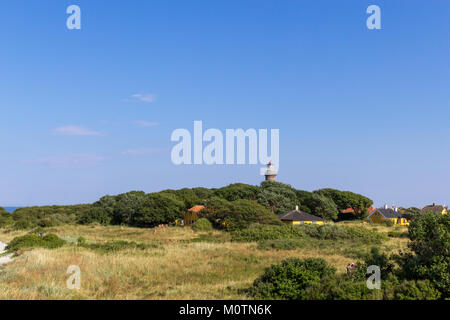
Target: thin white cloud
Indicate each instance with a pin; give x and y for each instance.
(141, 152)
(143, 123)
(143, 97)
(75, 131)
(70, 161)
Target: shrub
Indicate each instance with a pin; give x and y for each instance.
(291, 278)
(340, 288)
(30, 241)
(334, 232)
(430, 252)
(398, 234)
(388, 223)
(375, 258)
(6, 218)
(416, 290)
(202, 224)
(113, 246)
(81, 240)
(243, 213)
(267, 232)
(95, 214)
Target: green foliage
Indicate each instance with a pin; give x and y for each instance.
(267, 232)
(340, 288)
(291, 278)
(347, 199)
(157, 208)
(95, 214)
(430, 247)
(388, 223)
(187, 196)
(237, 191)
(243, 213)
(81, 240)
(398, 234)
(317, 205)
(277, 197)
(415, 290)
(30, 241)
(202, 224)
(376, 258)
(6, 218)
(334, 232)
(410, 213)
(114, 246)
(47, 216)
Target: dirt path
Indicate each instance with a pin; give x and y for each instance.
(4, 259)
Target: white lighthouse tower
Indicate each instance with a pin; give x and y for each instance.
(271, 174)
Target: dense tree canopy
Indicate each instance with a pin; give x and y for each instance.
(347, 199)
(231, 203)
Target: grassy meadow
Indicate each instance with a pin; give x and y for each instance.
(173, 263)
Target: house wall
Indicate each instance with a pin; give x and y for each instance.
(294, 223)
(190, 218)
(378, 218)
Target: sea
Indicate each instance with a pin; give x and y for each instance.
(11, 209)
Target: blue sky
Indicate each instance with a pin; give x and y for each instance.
(89, 112)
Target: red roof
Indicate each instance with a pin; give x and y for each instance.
(196, 209)
(351, 210)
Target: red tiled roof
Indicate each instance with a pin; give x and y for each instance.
(196, 209)
(351, 210)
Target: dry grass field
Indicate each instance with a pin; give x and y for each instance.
(177, 263)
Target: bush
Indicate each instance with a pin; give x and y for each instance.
(95, 214)
(334, 232)
(6, 218)
(30, 241)
(202, 224)
(340, 288)
(398, 234)
(47, 216)
(416, 290)
(430, 252)
(388, 223)
(81, 240)
(114, 246)
(267, 232)
(243, 213)
(291, 278)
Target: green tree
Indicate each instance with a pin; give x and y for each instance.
(320, 206)
(277, 197)
(157, 208)
(430, 252)
(347, 199)
(238, 191)
(291, 278)
(6, 218)
(242, 213)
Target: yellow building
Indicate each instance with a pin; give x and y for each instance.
(441, 210)
(387, 214)
(192, 215)
(298, 217)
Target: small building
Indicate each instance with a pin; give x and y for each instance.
(437, 209)
(387, 214)
(297, 217)
(192, 215)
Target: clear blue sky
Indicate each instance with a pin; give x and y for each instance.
(90, 112)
